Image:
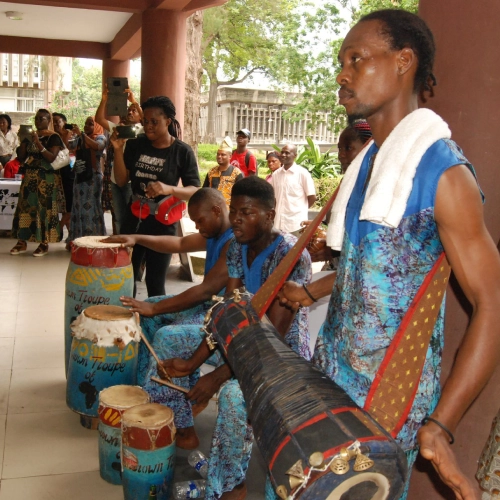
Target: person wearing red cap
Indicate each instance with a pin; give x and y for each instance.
(242, 157)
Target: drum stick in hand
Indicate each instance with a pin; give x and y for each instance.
(169, 384)
(155, 356)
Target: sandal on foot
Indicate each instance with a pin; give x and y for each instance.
(20, 247)
(43, 249)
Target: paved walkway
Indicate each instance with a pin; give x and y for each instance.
(45, 454)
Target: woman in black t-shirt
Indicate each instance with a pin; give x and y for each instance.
(154, 163)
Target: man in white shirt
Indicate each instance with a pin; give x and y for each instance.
(294, 190)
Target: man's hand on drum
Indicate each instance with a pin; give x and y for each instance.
(157, 188)
(126, 240)
(293, 295)
(175, 367)
(143, 308)
(435, 447)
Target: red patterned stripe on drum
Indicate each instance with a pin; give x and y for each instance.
(302, 426)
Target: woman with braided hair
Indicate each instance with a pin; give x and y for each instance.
(154, 163)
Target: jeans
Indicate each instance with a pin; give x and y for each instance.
(121, 198)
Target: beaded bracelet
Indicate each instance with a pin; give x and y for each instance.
(309, 293)
(439, 424)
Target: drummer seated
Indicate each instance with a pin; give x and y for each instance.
(181, 315)
(255, 252)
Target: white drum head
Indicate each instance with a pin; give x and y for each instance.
(94, 242)
(122, 397)
(148, 416)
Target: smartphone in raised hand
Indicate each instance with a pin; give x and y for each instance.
(117, 98)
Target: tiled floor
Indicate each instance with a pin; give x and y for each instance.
(45, 454)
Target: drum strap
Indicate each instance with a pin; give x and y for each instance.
(268, 291)
(395, 386)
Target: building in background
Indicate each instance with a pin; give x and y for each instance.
(30, 82)
(261, 111)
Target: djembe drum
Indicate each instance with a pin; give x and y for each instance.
(148, 451)
(98, 274)
(318, 444)
(104, 353)
(113, 401)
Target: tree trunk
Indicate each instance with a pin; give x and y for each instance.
(194, 73)
(210, 136)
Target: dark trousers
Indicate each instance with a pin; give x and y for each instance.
(156, 269)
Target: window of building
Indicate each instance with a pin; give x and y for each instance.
(5, 67)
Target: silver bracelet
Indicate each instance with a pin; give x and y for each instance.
(44, 149)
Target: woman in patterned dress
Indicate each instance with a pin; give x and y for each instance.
(37, 214)
(87, 218)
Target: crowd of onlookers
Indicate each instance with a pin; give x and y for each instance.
(138, 169)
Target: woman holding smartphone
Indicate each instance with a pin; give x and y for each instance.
(37, 213)
(154, 163)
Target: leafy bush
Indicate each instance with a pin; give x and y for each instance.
(207, 152)
(325, 186)
(317, 163)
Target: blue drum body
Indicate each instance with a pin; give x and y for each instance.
(93, 368)
(95, 276)
(148, 452)
(112, 403)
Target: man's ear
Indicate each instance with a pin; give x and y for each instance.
(271, 215)
(217, 210)
(406, 61)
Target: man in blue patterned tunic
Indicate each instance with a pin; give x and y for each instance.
(255, 252)
(410, 196)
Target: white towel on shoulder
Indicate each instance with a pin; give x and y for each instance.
(392, 176)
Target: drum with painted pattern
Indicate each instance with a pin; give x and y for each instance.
(113, 401)
(148, 451)
(98, 274)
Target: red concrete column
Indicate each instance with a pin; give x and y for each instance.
(111, 68)
(467, 97)
(163, 56)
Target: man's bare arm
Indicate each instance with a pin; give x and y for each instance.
(476, 265)
(212, 284)
(162, 244)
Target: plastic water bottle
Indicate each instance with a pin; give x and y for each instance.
(189, 489)
(199, 461)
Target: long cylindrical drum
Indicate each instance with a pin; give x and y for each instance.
(318, 444)
(98, 274)
(113, 401)
(148, 451)
(104, 353)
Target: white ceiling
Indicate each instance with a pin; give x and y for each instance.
(62, 23)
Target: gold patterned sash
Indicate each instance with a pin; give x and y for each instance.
(394, 388)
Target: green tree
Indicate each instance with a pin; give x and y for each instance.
(85, 95)
(367, 6)
(316, 68)
(240, 39)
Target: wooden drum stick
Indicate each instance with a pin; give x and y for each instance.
(153, 353)
(169, 384)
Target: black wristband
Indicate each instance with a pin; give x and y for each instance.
(309, 293)
(439, 424)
